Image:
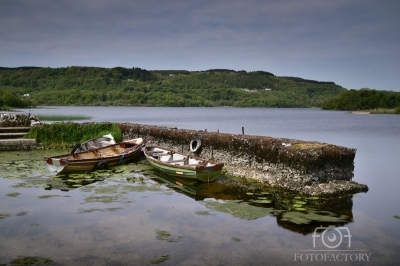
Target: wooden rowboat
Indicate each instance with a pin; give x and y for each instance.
(96, 159)
(94, 144)
(182, 165)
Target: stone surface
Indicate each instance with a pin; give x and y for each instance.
(308, 167)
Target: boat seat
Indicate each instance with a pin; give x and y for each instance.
(174, 161)
(159, 154)
(93, 148)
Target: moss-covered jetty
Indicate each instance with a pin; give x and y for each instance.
(312, 168)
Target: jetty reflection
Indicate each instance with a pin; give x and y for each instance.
(297, 213)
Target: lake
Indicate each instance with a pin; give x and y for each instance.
(134, 216)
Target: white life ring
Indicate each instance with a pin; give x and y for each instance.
(195, 145)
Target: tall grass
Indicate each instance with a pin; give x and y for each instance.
(63, 117)
(66, 134)
(386, 111)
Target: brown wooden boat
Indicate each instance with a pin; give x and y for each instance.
(95, 159)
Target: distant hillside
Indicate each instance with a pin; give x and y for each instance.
(8, 100)
(140, 87)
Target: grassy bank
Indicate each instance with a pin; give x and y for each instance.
(385, 111)
(66, 134)
(62, 117)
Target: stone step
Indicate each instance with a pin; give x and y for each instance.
(18, 144)
(12, 135)
(14, 129)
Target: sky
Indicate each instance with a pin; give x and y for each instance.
(354, 43)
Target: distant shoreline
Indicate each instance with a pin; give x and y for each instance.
(359, 112)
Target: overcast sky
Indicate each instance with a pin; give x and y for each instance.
(354, 43)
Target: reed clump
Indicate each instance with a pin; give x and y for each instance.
(64, 134)
(385, 111)
(62, 117)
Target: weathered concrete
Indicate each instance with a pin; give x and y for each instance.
(18, 144)
(308, 167)
(11, 138)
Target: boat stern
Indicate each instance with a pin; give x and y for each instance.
(55, 165)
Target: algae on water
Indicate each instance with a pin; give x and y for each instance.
(4, 215)
(166, 236)
(203, 213)
(240, 210)
(312, 216)
(31, 261)
(156, 260)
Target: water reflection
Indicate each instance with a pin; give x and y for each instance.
(297, 213)
(294, 212)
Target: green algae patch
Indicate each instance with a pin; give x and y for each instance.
(166, 236)
(106, 190)
(48, 196)
(312, 216)
(91, 210)
(203, 213)
(236, 239)
(15, 194)
(239, 210)
(141, 188)
(87, 189)
(98, 209)
(158, 259)
(31, 261)
(261, 201)
(102, 199)
(396, 216)
(4, 215)
(23, 213)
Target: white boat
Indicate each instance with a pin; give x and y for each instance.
(94, 144)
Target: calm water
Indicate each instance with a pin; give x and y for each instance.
(130, 218)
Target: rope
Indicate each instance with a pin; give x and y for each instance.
(121, 160)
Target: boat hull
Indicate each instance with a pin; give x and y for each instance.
(205, 176)
(112, 155)
(204, 173)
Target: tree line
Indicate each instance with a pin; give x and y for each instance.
(363, 99)
(176, 88)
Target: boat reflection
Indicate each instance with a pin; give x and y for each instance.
(298, 213)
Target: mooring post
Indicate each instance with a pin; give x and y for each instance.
(242, 130)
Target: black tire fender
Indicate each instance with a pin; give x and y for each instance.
(100, 165)
(195, 145)
(75, 148)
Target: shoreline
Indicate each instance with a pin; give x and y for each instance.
(359, 112)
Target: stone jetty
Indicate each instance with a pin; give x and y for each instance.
(311, 168)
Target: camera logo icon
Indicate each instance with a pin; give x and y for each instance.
(331, 236)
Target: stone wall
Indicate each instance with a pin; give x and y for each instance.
(292, 164)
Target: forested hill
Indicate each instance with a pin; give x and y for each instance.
(364, 99)
(140, 87)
